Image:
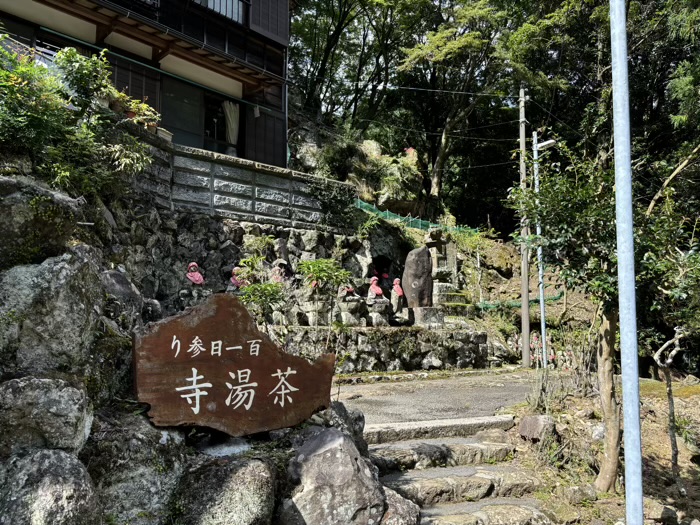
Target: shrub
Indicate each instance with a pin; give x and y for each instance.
(53, 116)
(33, 110)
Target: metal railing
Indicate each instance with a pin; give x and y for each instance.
(235, 10)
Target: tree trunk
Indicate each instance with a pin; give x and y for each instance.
(605, 482)
(441, 159)
(665, 366)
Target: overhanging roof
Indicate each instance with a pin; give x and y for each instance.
(112, 18)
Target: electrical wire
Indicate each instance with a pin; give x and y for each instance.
(437, 133)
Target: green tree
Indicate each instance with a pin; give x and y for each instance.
(52, 116)
(263, 298)
(324, 276)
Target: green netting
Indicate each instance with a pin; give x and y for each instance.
(411, 222)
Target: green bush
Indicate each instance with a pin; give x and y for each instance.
(33, 110)
(53, 116)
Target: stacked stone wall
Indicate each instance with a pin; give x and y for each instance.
(190, 179)
(389, 349)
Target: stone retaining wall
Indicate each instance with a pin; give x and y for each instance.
(189, 179)
(389, 349)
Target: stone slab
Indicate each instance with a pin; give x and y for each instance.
(506, 511)
(272, 195)
(191, 196)
(196, 165)
(272, 209)
(303, 200)
(191, 180)
(222, 201)
(230, 172)
(233, 187)
(386, 432)
(443, 452)
(211, 366)
(455, 484)
(272, 181)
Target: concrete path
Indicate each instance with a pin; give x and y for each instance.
(421, 400)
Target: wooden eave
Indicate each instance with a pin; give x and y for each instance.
(110, 18)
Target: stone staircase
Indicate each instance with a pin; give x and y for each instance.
(459, 471)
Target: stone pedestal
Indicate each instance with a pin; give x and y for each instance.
(352, 312)
(318, 313)
(428, 317)
(379, 313)
(442, 293)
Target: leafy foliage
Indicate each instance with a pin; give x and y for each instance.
(262, 298)
(33, 109)
(324, 273)
(53, 116)
(259, 245)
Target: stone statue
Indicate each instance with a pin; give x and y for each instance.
(193, 274)
(279, 272)
(347, 293)
(375, 293)
(418, 278)
(237, 282)
(397, 297)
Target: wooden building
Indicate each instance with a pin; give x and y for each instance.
(215, 69)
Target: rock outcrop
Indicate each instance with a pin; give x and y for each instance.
(135, 467)
(42, 413)
(49, 313)
(37, 222)
(227, 492)
(335, 484)
(47, 487)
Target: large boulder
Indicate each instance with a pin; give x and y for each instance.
(47, 487)
(36, 223)
(417, 278)
(135, 467)
(350, 422)
(227, 492)
(399, 510)
(42, 413)
(49, 312)
(124, 301)
(334, 484)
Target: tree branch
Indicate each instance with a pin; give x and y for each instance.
(670, 178)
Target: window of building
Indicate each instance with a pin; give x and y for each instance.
(137, 81)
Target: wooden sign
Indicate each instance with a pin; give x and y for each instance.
(210, 366)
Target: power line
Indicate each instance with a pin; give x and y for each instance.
(488, 165)
(557, 118)
(437, 133)
(413, 88)
(450, 91)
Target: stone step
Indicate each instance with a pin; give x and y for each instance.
(439, 428)
(458, 484)
(496, 511)
(443, 452)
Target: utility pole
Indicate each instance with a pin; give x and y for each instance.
(625, 269)
(524, 251)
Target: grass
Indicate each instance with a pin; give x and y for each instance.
(652, 388)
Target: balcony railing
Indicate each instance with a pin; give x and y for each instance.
(235, 10)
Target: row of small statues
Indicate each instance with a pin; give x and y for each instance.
(346, 293)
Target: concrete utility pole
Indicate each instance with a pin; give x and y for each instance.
(524, 251)
(625, 267)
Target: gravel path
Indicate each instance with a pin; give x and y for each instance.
(421, 400)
